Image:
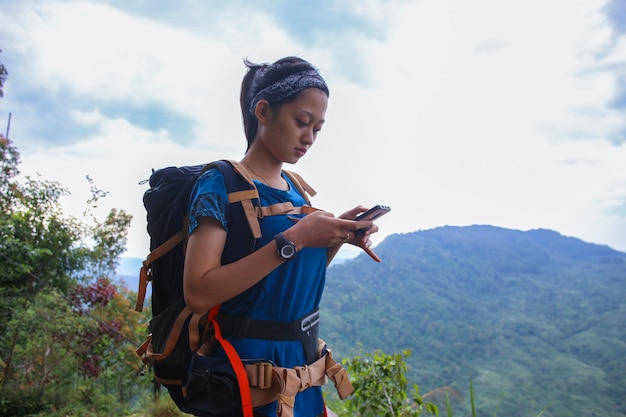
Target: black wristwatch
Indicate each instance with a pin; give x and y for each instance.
(286, 249)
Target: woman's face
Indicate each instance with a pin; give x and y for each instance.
(291, 129)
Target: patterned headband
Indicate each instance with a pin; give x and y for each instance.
(289, 86)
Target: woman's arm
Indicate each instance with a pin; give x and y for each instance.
(207, 283)
(331, 252)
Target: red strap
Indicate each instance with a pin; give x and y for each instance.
(235, 362)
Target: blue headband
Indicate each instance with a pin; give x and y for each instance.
(289, 86)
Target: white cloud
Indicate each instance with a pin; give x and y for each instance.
(462, 113)
(470, 113)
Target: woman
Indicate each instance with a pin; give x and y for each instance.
(283, 106)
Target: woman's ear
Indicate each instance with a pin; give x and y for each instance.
(262, 112)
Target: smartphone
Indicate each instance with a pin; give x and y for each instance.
(372, 214)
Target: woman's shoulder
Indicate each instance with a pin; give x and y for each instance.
(211, 172)
(208, 198)
(209, 190)
(211, 179)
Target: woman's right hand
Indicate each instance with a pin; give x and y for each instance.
(321, 229)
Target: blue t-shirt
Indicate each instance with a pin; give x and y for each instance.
(288, 293)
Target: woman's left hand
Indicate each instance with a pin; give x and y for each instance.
(361, 238)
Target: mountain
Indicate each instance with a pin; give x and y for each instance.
(532, 318)
(128, 272)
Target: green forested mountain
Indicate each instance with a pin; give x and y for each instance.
(532, 318)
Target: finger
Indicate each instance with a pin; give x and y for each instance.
(372, 254)
(354, 224)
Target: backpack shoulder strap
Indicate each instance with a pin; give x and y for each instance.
(241, 188)
(280, 208)
(303, 187)
(244, 202)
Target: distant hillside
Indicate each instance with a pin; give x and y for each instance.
(128, 272)
(534, 318)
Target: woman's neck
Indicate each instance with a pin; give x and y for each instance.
(268, 174)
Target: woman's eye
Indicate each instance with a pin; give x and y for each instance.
(301, 123)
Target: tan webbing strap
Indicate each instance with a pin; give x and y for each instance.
(275, 209)
(246, 197)
(242, 170)
(141, 350)
(303, 187)
(253, 221)
(301, 184)
(287, 394)
(283, 208)
(168, 381)
(194, 331)
(167, 246)
(143, 288)
(339, 376)
(172, 338)
(237, 196)
(285, 383)
(304, 210)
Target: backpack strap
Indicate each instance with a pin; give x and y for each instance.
(270, 383)
(303, 187)
(258, 211)
(240, 189)
(145, 274)
(235, 362)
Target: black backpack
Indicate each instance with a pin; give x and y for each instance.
(175, 333)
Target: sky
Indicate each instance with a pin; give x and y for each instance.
(452, 112)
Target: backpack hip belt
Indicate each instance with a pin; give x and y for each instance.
(305, 329)
(270, 383)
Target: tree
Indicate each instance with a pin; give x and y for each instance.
(381, 388)
(3, 76)
(67, 334)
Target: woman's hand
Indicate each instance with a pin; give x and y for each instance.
(323, 229)
(361, 238)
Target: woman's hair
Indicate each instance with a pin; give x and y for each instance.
(278, 83)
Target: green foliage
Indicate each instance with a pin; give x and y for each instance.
(19, 402)
(67, 332)
(109, 235)
(162, 406)
(381, 387)
(449, 412)
(532, 317)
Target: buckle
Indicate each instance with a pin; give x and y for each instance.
(310, 321)
(304, 376)
(264, 375)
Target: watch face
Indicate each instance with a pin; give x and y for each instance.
(287, 251)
